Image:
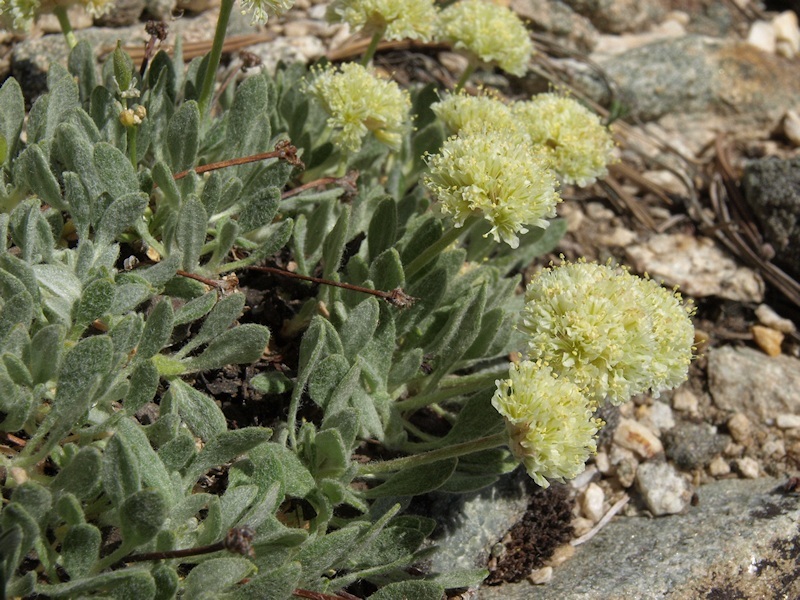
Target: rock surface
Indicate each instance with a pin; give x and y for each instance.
(740, 541)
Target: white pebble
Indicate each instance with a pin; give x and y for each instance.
(747, 467)
(592, 502)
(719, 467)
(786, 31)
(664, 491)
(787, 421)
(740, 427)
(765, 315)
(762, 36)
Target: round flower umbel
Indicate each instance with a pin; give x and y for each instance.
(359, 103)
(264, 9)
(413, 19)
(487, 32)
(549, 422)
(463, 113)
(581, 147)
(610, 332)
(495, 176)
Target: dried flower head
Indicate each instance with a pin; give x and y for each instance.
(581, 147)
(488, 32)
(359, 103)
(463, 113)
(264, 9)
(549, 422)
(610, 332)
(495, 176)
(414, 19)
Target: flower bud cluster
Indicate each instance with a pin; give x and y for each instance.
(412, 19)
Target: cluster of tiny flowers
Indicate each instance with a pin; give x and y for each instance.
(497, 177)
(359, 103)
(414, 19)
(489, 32)
(462, 113)
(610, 332)
(264, 9)
(22, 13)
(549, 422)
(580, 145)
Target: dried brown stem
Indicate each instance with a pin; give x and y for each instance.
(397, 297)
(238, 540)
(349, 182)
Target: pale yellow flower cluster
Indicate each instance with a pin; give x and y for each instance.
(358, 103)
(579, 145)
(494, 176)
(549, 422)
(612, 333)
(596, 332)
(487, 32)
(264, 9)
(413, 19)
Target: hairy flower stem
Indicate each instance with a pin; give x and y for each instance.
(66, 27)
(438, 246)
(426, 458)
(226, 6)
(462, 81)
(450, 388)
(373, 46)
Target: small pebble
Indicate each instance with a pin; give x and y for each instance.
(762, 36)
(740, 427)
(769, 340)
(582, 480)
(719, 467)
(626, 472)
(787, 421)
(658, 417)
(684, 400)
(765, 315)
(581, 526)
(561, 555)
(664, 491)
(774, 448)
(591, 502)
(787, 33)
(602, 462)
(747, 467)
(635, 436)
(541, 576)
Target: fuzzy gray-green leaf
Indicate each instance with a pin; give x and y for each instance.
(415, 480)
(12, 115)
(157, 330)
(34, 168)
(213, 576)
(225, 447)
(121, 476)
(240, 345)
(183, 135)
(200, 413)
(141, 516)
(191, 232)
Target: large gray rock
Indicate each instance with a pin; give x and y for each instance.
(620, 16)
(740, 541)
(772, 189)
(743, 380)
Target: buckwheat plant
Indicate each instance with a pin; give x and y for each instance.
(223, 300)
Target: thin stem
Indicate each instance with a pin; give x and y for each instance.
(373, 46)
(462, 81)
(283, 150)
(131, 135)
(66, 27)
(226, 6)
(443, 393)
(397, 297)
(349, 182)
(426, 458)
(438, 246)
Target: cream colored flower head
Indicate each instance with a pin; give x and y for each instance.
(549, 422)
(488, 32)
(610, 332)
(581, 147)
(462, 113)
(497, 177)
(358, 103)
(398, 20)
(264, 9)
